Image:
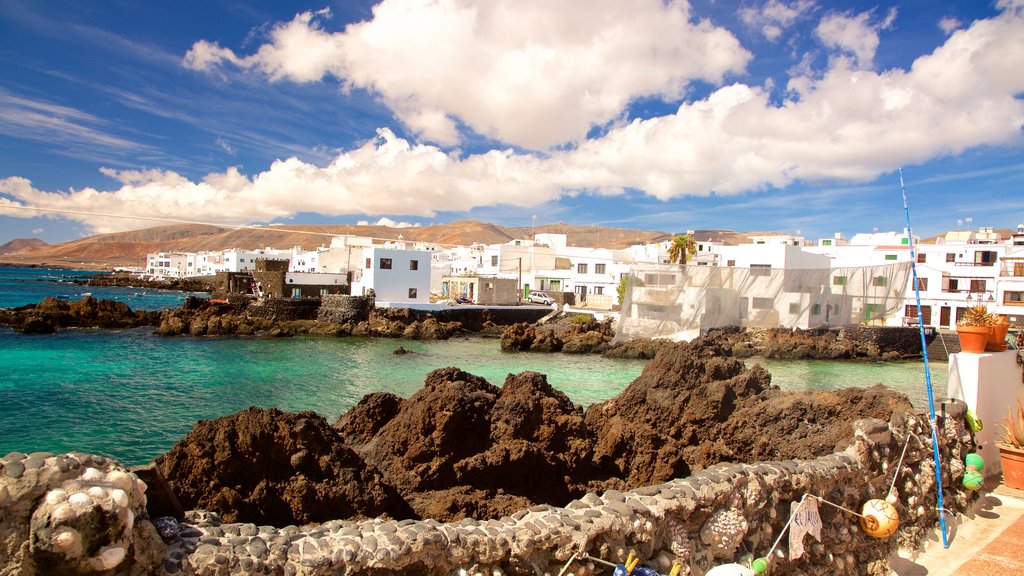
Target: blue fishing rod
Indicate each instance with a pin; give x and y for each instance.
(927, 370)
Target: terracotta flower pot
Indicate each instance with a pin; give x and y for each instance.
(973, 338)
(1012, 461)
(997, 338)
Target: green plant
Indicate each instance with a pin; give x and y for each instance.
(683, 246)
(976, 316)
(581, 319)
(1014, 426)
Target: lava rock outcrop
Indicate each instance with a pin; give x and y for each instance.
(268, 466)
(462, 447)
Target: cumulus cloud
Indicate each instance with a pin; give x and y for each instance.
(856, 34)
(531, 73)
(772, 18)
(385, 221)
(851, 124)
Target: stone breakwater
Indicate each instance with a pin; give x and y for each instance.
(79, 514)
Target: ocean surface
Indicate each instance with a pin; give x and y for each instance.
(132, 395)
(21, 286)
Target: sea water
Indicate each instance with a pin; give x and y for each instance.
(132, 395)
(21, 286)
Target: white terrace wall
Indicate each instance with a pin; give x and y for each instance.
(80, 514)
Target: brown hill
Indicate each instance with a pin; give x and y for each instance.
(19, 244)
(130, 248)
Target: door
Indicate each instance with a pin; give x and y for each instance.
(944, 316)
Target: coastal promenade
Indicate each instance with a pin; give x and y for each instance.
(987, 542)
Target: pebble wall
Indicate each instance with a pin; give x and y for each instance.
(78, 514)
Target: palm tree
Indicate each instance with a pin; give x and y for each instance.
(683, 246)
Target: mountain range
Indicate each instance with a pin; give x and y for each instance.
(130, 248)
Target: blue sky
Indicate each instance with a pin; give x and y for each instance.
(785, 115)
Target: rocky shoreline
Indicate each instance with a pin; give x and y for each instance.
(461, 447)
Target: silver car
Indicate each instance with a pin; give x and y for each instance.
(540, 298)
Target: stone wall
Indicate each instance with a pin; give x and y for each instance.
(724, 514)
(342, 308)
(285, 309)
(903, 340)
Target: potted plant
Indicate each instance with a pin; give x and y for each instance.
(1011, 448)
(997, 339)
(973, 329)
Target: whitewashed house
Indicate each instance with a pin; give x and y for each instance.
(399, 276)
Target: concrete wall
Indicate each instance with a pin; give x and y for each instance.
(717, 516)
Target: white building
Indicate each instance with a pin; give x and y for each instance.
(394, 275)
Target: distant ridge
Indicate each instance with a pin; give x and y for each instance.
(19, 244)
(130, 248)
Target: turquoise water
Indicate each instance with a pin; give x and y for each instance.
(21, 286)
(132, 395)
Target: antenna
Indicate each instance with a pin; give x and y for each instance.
(969, 220)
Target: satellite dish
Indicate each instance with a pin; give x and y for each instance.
(959, 222)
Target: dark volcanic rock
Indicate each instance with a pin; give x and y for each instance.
(268, 466)
(573, 334)
(360, 424)
(477, 449)
(679, 400)
(52, 314)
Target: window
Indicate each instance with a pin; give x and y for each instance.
(296, 292)
(494, 260)
(414, 264)
(412, 293)
(1018, 269)
(599, 268)
(984, 258)
(730, 263)
(921, 259)
(598, 289)
(794, 308)
(950, 257)
(385, 263)
(878, 281)
(1013, 298)
(826, 242)
(890, 256)
(904, 241)
(922, 284)
(368, 264)
(816, 310)
(581, 268)
(977, 285)
(839, 281)
(953, 285)
(762, 303)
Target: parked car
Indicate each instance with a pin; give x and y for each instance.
(540, 298)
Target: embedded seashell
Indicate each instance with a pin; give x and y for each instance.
(92, 475)
(68, 541)
(109, 558)
(129, 520)
(62, 513)
(121, 479)
(80, 499)
(97, 493)
(119, 497)
(56, 496)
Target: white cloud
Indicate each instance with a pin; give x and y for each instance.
(949, 24)
(224, 145)
(532, 73)
(855, 35)
(385, 221)
(848, 125)
(38, 231)
(773, 17)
